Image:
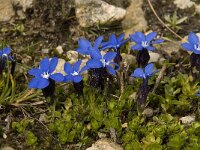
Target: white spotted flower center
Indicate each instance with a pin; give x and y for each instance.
(197, 46)
(45, 75)
(5, 55)
(145, 44)
(104, 63)
(74, 73)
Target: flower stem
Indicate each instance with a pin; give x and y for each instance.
(143, 58)
(143, 93)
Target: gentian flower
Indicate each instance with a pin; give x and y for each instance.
(198, 93)
(73, 72)
(148, 72)
(5, 53)
(193, 43)
(99, 61)
(114, 42)
(143, 45)
(144, 42)
(85, 46)
(144, 74)
(44, 74)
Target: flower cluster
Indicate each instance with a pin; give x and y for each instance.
(103, 62)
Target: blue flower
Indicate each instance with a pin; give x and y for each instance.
(198, 93)
(44, 73)
(85, 46)
(73, 72)
(99, 61)
(148, 72)
(114, 42)
(5, 53)
(144, 42)
(193, 43)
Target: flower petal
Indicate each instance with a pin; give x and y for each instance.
(113, 39)
(150, 36)
(38, 83)
(196, 51)
(150, 48)
(123, 42)
(83, 46)
(84, 68)
(44, 64)
(135, 38)
(68, 78)
(137, 47)
(35, 72)
(68, 68)
(77, 79)
(120, 38)
(117, 67)
(106, 45)
(95, 54)
(187, 46)
(97, 42)
(138, 73)
(193, 38)
(77, 65)
(110, 70)
(141, 36)
(57, 77)
(33, 83)
(109, 56)
(157, 41)
(42, 83)
(53, 63)
(149, 69)
(6, 50)
(94, 63)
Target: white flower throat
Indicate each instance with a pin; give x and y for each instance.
(145, 44)
(74, 73)
(197, 46)
(104, 63)
(5, 55)
(45, 75)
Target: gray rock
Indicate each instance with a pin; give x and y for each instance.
(148, 112)
(24, 4)
(45, 50)
(6, 10)
(6, 148)
(93, 12)
(72, 56)
(59, 49)
(197, 8)
(171, 46)
(155, 57)
(128, 59)
(187, 119)
(11, 8)
(104, 144)
(134, 19)
(60, 67)
(119, 3)
(183, 4)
